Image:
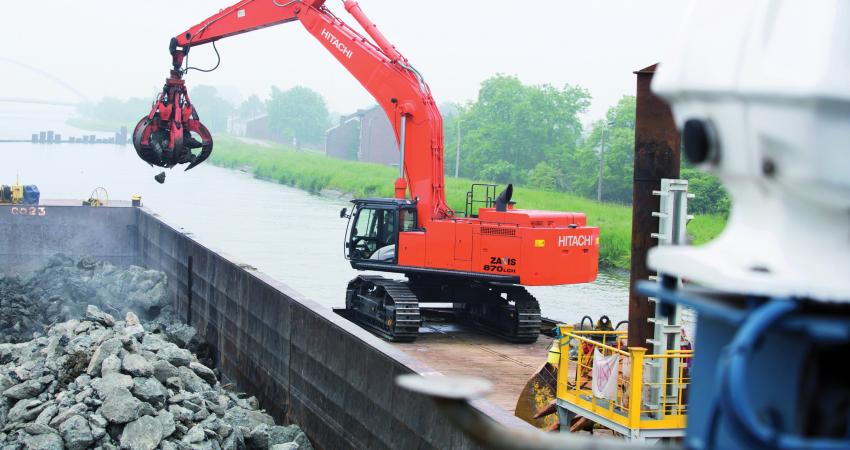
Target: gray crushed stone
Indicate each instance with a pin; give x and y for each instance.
(90, 357)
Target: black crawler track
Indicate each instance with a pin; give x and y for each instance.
(515, 319)
(390, 308)
(385, 307)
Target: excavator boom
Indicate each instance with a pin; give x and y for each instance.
(397, 87)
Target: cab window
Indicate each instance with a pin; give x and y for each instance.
(408, 219)
(373, 230)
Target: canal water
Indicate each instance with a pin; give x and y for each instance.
(292, 235)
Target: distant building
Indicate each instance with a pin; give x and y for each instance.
(236, 126)
(366, 135)
(258, 128)
(343, 140)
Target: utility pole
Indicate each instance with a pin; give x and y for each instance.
(601, 164)
(457, 155)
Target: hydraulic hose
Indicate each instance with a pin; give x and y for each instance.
(734, 397)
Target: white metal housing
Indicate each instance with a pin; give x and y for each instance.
(772, 77)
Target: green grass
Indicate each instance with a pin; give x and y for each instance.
(91, 124)
(314, 172)
(706, 227)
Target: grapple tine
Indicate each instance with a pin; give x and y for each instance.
(206, 140)
(142, 134)
(205, 153)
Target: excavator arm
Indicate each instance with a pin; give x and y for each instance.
(164, 135)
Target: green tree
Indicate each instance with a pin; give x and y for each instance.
(450, 112)
(112, 109)
(545, 176)
(251, 107)
(502, 171)
(212, 109)
(709, 195)
(618, 128)
(512, 127)
(299, 113)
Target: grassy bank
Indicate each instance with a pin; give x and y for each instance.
(313, 172)
(90, 124)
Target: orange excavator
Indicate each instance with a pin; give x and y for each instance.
(478, 260)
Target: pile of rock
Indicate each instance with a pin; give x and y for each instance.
(63, 288)
(102, 383)
(106, 384)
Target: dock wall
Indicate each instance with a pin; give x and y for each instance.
(304, 363)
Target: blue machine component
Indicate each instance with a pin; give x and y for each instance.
(767, 372)
(31, 194)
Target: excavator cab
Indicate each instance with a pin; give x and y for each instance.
(373, 228)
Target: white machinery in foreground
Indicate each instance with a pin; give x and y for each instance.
(761, 93)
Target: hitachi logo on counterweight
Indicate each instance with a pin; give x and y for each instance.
(575, 241)
(336, 43)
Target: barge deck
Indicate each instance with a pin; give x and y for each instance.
(456, 350)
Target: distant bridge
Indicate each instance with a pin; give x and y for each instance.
(37, 101)
(80, 96)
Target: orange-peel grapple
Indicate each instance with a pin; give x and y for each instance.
(166, 136)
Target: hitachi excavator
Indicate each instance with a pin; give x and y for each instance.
(478, 260)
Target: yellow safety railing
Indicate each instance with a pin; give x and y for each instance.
(629, 407)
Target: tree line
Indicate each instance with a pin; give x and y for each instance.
(298, 113)
(512, 132)
(532, 135)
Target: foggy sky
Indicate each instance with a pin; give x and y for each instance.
(119, 48)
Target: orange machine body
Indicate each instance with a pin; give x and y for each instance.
(538, 248)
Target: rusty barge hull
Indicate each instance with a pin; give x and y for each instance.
(306, 364)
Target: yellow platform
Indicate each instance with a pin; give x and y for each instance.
(631, 412)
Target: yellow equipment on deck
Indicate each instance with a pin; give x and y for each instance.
(17, 191)
(627, 410)
(537, 401)
(562, 395)
(98, 197)
(12, 194)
